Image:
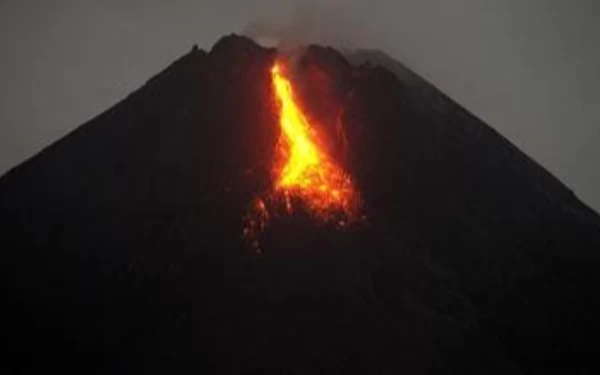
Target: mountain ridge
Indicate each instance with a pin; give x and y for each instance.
(125, 248)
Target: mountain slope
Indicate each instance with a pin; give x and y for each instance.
(123, 249)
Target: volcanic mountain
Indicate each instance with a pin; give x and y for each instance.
(123, 247)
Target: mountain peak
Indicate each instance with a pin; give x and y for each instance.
(236, 45)
(123, 246)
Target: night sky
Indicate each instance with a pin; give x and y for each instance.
(529, 68)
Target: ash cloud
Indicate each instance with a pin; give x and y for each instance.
(335, 23)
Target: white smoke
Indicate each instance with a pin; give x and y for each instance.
(328, 22)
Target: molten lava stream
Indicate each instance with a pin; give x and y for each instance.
(304, 169)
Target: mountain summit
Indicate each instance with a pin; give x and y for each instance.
(123, 248)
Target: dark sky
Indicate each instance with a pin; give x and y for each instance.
(530, 68)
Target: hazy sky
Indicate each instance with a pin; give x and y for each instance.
(530, 68)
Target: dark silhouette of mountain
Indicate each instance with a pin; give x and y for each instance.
(122, 248)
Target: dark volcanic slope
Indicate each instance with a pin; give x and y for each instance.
(121, 246)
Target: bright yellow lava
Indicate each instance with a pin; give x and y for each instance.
(305, 170)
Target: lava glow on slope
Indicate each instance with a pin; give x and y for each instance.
(303, 172)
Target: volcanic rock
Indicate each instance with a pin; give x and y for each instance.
(122, 245)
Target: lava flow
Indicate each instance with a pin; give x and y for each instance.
(303, 171)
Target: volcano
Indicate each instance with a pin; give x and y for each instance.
(123, 246)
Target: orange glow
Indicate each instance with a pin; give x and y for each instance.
(302, 171)
(305, 170)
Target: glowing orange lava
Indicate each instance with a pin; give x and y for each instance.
(305, 170)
